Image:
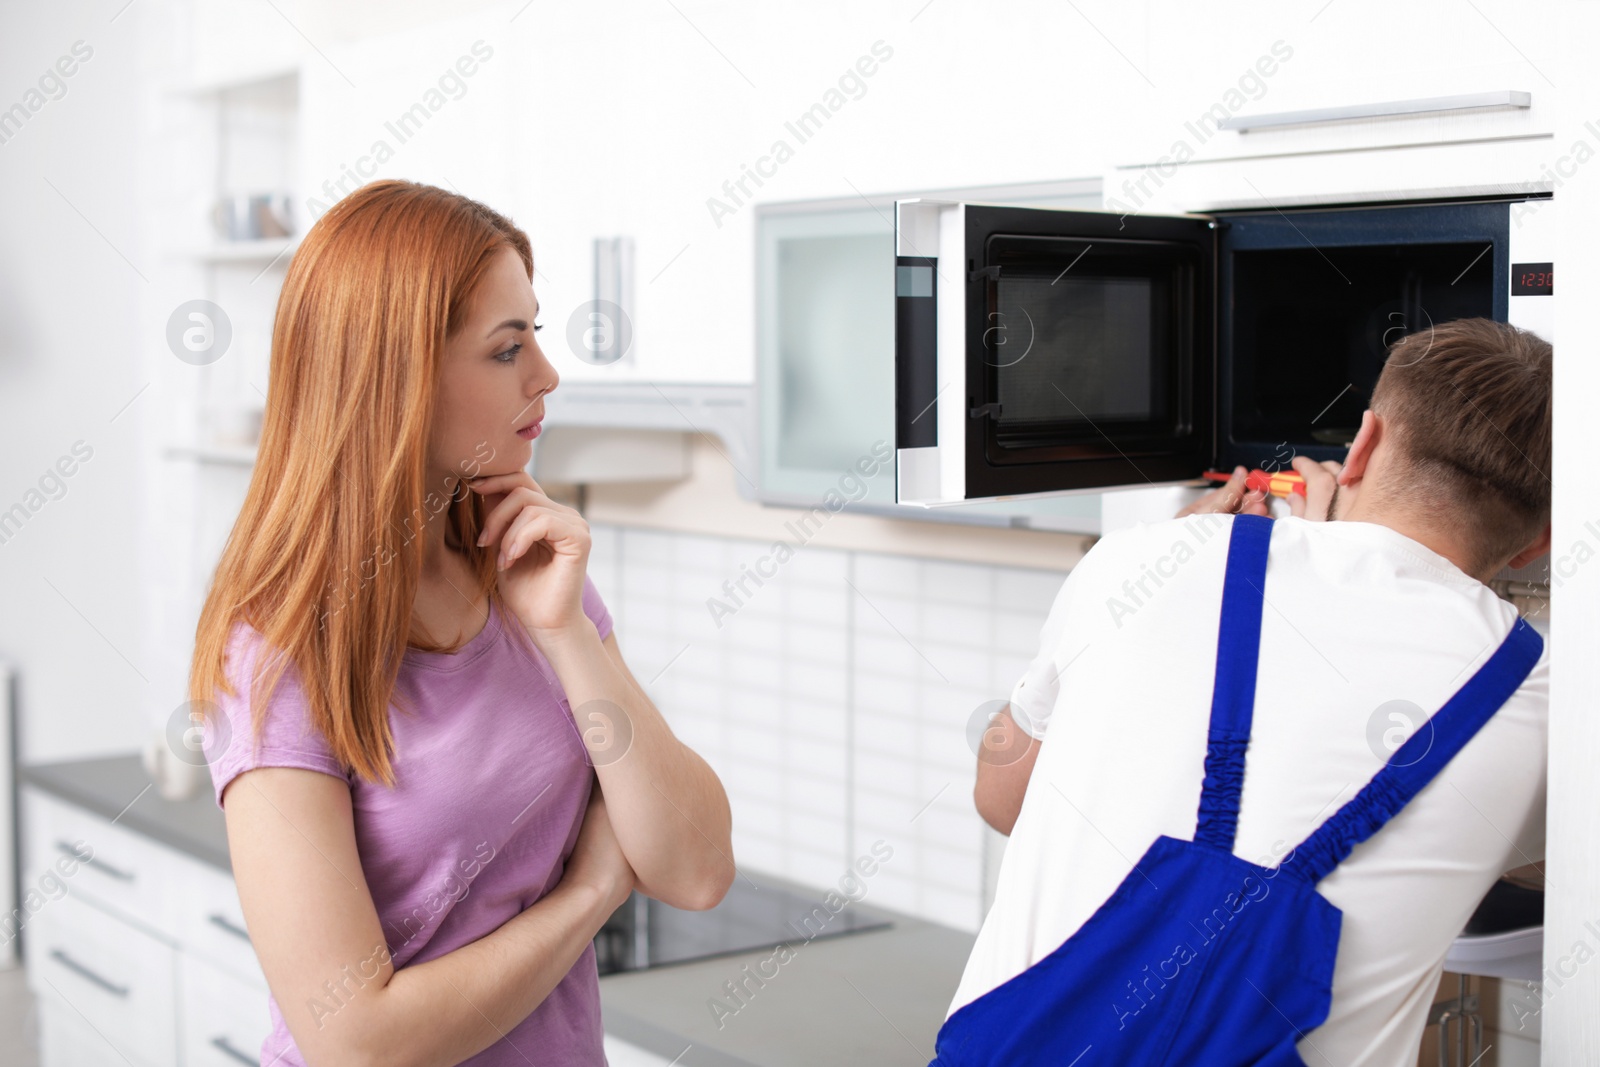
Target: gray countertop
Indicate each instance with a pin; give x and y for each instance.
(876, 997)
(117, 787)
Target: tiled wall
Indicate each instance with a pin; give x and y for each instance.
(834, 701)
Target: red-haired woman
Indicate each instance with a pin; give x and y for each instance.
(438, 774)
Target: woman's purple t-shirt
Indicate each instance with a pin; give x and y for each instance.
(491, 784)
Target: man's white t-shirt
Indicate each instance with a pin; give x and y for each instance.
(1364, 634)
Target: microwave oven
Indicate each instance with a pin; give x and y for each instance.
(1041, 351)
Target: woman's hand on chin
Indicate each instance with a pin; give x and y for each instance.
(543, 551)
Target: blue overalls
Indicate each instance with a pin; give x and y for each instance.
(1201, 958)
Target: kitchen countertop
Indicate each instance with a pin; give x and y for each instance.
(116, 786)
(875, 997)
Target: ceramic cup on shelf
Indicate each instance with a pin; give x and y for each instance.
(177, 776)
(252, 216)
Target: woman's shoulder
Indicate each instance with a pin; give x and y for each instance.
(240, 735)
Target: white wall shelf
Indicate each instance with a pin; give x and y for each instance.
(264, 250)
(224, 455)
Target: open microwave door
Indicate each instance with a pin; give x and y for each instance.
(1040, 351)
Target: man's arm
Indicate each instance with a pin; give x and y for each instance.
(1005, 764)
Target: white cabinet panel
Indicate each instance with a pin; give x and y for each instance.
(118, 979)
(66, 1040)
(124, 871)
(1260, 60)
(211, 922)
(1435, 171)
(223, 1020)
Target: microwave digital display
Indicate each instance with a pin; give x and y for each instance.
(1533, 279)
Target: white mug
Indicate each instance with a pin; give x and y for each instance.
(174, 777)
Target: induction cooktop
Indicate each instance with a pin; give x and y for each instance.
(759, 911)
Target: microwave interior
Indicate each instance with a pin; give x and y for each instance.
(1105, 351)
(1310, 301)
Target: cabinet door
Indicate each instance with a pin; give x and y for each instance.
(1043, 351)
(825, 377)
(223, 1020)
(123, 871)
(119, 980)
(66, 1040)
(211, 920)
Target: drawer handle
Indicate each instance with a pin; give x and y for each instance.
(227, 1049)
(100, 865)
(83, 972)
(232, 928)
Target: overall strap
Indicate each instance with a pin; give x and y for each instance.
(1414, 764)
(1233, 694)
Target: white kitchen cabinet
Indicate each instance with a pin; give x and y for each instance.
(125, 873)
(118, 979)
(221, 1019)
(1263, 58)
(65, 1038)
(143, 958)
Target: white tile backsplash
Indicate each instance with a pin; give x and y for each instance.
(833, 698)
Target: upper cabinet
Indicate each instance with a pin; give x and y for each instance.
(1280, 106)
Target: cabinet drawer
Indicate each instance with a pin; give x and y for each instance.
(125, 871)
(116, 978)
(211, 922)
(223, 1020)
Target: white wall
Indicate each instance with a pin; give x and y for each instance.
(74, 264)
(1571, 1029)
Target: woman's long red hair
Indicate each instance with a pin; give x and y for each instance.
(325, 557)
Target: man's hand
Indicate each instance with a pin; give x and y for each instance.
(1321, 484)
(1230, 498)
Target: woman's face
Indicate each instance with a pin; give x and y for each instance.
(493, 381)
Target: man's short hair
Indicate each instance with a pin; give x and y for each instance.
(1468, 405)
